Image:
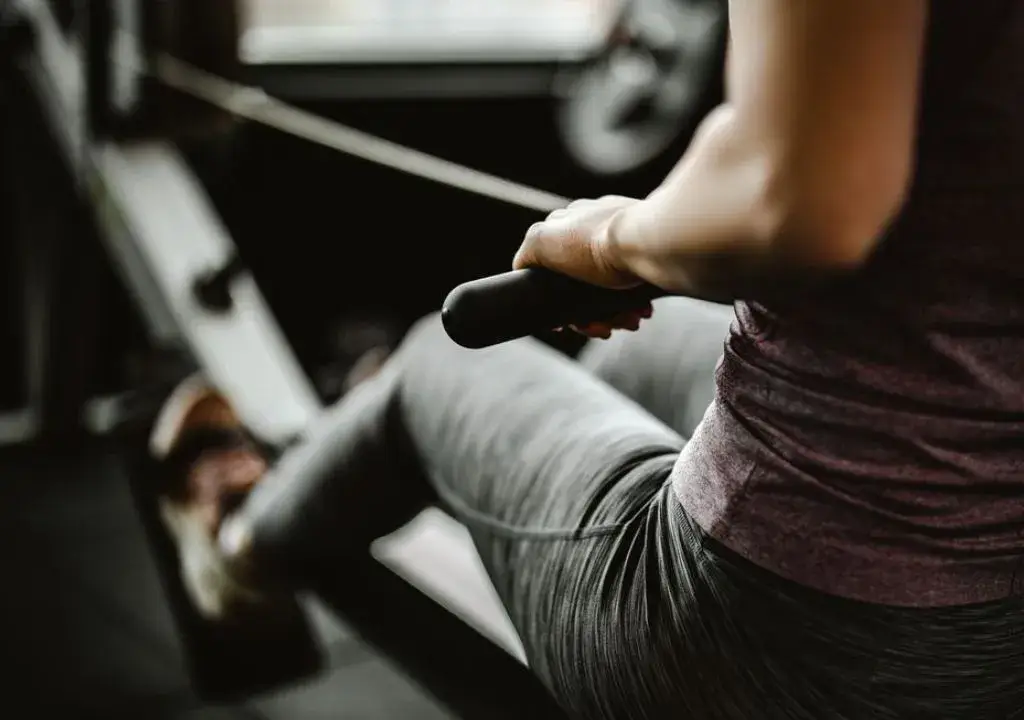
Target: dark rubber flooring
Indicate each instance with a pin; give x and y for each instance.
(86, 633)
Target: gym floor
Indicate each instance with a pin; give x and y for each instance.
(86, 630)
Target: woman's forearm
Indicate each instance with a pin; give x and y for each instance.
(726, 223)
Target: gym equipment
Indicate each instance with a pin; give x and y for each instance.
(644, 93)
(157, 224)
(518, 303)
(114, 97)
(138, 192)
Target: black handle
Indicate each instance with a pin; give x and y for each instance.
(515, 304)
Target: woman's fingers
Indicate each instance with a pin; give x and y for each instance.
(594, 330)
(623, 321)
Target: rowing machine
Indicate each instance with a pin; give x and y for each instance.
(93, 78)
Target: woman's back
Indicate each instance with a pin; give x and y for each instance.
(884, 416)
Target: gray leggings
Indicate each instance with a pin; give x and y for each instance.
(625, 608)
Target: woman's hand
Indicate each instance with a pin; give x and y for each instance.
(573, 241)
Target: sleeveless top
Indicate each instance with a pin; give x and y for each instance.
(868, 440)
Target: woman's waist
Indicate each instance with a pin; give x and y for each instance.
(811, 390)
(848, 527)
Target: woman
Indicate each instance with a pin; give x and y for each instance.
(828, 525)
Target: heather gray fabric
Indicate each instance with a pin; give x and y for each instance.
(625, 607)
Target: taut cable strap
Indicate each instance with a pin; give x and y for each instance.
(257, 106)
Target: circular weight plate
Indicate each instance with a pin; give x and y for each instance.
(636, 99)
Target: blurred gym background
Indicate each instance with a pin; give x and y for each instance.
(577, 97)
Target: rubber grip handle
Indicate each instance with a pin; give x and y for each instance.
(518, 303)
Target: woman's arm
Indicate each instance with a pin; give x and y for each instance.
(802, 167)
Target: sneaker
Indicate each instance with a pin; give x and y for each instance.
(208, 464)
(243, 635)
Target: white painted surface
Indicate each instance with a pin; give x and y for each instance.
(435, 553)
(362, 31)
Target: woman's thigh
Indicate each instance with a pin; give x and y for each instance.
(626, 609)
(519, 438)
(562, 481)
(668, 366)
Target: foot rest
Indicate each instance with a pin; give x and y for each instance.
(435, 554)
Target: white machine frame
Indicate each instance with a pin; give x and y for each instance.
(164, 233)
(168, 234)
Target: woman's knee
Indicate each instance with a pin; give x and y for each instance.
(668, 365)
(426, 350)
(427, 330)
(679, 326)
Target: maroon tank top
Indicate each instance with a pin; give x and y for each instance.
(868, 440)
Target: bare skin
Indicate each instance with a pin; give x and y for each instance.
(799, 170)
